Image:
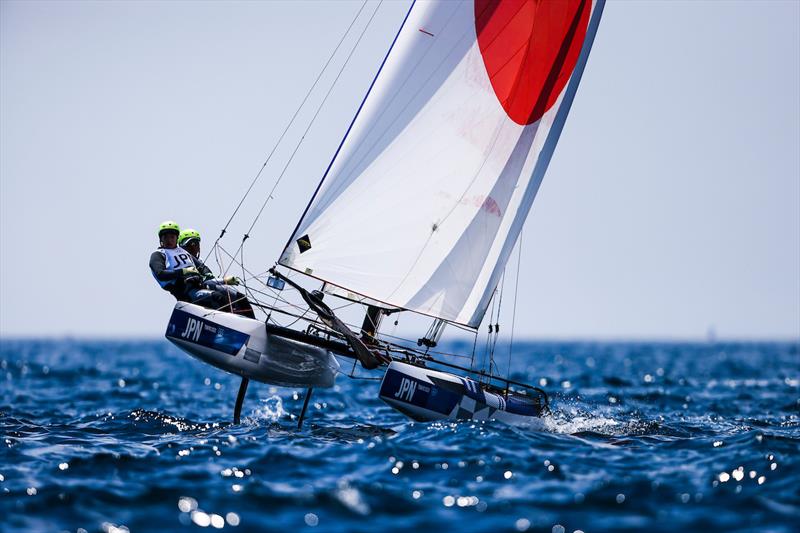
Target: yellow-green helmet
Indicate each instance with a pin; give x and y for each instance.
(187, 235)
(169, 226)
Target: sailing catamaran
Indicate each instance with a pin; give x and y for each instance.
(418, 210)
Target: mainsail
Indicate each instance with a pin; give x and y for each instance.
(428, 192)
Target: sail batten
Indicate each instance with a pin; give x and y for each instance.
(429, 190)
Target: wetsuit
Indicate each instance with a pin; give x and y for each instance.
(167, 266)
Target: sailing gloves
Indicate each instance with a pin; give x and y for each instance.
(231, 280)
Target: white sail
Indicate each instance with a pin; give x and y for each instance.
(429, 190)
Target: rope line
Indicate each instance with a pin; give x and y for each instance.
(311, 123)
(289, 125)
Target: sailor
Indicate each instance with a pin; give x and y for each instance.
(189, 240)
(172, 266)
(216, 291)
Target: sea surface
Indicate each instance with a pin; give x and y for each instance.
(116, 436)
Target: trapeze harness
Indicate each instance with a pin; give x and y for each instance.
(176, 259)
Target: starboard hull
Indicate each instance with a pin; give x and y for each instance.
(242, 346)
(427, 395)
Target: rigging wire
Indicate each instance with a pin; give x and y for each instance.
(474, 345)
(489, 334)
(514, 312)
(215, 249)
(257, 277)
(311, 123)
(247, 290)
(291, 121)
(492, 363)
(401, 90)
(350, 127)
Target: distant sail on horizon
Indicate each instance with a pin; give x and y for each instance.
(426, 197)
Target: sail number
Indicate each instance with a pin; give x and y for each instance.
(407, 389)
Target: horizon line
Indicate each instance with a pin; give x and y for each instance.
(633, 339)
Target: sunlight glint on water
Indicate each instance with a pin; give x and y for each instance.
(117, 436)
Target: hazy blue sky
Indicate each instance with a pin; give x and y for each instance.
(672, 204)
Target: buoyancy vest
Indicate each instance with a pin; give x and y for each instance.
(176, 259)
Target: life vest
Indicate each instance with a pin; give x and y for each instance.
(176, 259)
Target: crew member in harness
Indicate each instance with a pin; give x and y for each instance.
(189, 240)
(172, 266)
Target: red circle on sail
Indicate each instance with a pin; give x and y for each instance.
(530, 48)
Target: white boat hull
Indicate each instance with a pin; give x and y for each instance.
(241, 346)
(428, 395)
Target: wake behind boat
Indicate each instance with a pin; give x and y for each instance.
(418, 212)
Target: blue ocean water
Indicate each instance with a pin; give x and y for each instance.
(109, 436)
